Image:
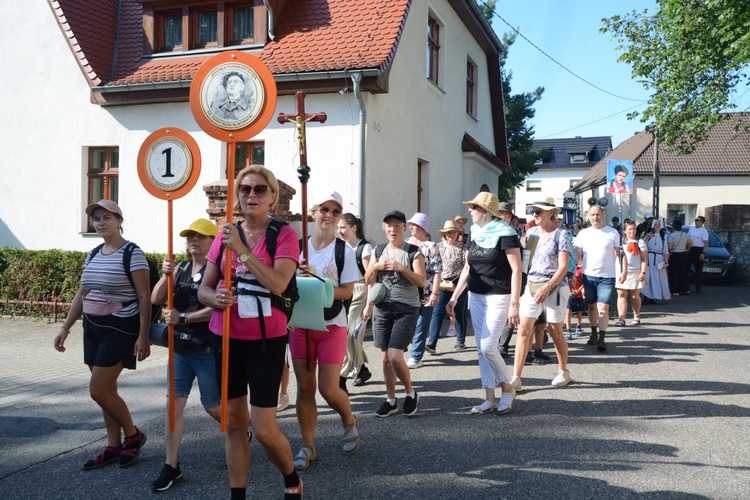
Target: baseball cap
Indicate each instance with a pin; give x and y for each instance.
(334, 197)
(648, 215)
(108, 205)
(201, 226)
(395, 214)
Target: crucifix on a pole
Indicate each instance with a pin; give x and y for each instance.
(303, 172)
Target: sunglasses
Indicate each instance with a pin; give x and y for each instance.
(476, 207)
(535, 212)
(697, 220)
(325, 210)
(247, 190)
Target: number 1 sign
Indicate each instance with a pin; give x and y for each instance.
(169, 163)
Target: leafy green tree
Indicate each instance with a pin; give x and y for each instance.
(690, 55)
(519, 110)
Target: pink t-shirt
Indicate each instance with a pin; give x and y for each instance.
(287, 247)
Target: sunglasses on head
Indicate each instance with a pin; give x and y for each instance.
(246, 189)
(325, 210)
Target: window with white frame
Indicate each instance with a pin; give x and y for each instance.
(533, 185)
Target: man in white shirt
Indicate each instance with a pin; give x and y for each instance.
(697, 253)
(599, 247)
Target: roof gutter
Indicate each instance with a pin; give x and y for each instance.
(280, 78)
(357, 80)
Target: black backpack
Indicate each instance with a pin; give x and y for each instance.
(360, 251)
(331, 312)
(153, 275)
(413, 251)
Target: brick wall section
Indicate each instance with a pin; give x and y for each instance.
(217, 202)
(728, 217)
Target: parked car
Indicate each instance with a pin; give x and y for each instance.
(718, 264)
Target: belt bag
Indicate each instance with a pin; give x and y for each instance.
(535, 287)
(447, 286)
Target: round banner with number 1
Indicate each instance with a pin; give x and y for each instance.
(169, 163)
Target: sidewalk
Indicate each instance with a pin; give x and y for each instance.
(663, 414)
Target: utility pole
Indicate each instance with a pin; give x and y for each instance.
(655, 185)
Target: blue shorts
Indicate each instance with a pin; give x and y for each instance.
(197, 364)
(598, 290)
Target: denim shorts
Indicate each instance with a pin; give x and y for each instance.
(197, 364)
(393, 325)
(597, 289)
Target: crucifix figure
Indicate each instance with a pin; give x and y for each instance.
(303, 172)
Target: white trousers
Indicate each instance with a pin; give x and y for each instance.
(489, 314)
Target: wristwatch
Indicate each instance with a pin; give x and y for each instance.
(183, 318)
(244, 256)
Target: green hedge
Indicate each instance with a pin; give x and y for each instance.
(44, 276)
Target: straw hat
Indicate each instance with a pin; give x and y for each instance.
(487, 201)
(450, 225)
(461, 219)
(546, 203)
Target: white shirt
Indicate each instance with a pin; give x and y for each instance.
(324, 262)
(698, 235)
(598, 247)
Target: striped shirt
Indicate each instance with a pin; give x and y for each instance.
(105, 278)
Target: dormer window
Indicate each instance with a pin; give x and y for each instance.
(578, 158)
(179, 28)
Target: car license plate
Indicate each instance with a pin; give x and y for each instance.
(712, 270)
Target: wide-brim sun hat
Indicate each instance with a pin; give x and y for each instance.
(487, 201)
(201, 226)
(108, 205)
(504, 206)
(450, 225)
(546, 203)
(461, 219)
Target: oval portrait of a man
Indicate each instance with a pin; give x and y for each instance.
(232, 96)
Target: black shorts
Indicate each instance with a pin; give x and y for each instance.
(108, 340)
(249, 365)
(393, 325)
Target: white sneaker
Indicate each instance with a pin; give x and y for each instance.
(451, 331)
(562, 379)
(515, 382)
(414, 363)
(283, 403)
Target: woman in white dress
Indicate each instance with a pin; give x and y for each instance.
(657, 282)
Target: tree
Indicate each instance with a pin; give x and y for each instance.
(690, 55)
(519, 111)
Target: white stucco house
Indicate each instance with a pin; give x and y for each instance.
(411, 89)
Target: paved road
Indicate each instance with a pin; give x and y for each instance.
(664, 414)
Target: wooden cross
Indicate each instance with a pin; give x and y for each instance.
(300, 119)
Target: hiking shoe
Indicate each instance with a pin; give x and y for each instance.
(515, 382)
(600, 345)
(451, 331)
(169, 475)
(411, 404)
(283, 402)
(459, 346)
(562, 379)
(568, 334)
(592, 339)
(131, 448)
(620, 322)
(110, 455)
(386, 409)
(505, 403)
(414, 363)
(351, 437)
(304, 457)
(363, 376)
(579, 332)
(431, 348)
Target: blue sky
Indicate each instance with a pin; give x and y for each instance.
(568, 31)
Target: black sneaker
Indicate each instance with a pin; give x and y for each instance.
(592, 339)
(363, 376)
(601, 346)
(387, 409)
(459, 347)
(167, 478)
(411, 404)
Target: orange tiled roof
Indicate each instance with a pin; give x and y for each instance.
(725, 152)
(311, 36)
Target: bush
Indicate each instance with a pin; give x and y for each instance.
(43, 276)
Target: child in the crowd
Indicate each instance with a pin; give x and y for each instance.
(576, 303)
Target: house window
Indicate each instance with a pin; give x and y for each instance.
(685, 213)
(433, 50)
(578, 158)
(205, 29)
(210, 25)
(103, 172)
(533, 185)
(471, 90)
(249, 153)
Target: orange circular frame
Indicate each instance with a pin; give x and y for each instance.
(233, 96)
(169, 163)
